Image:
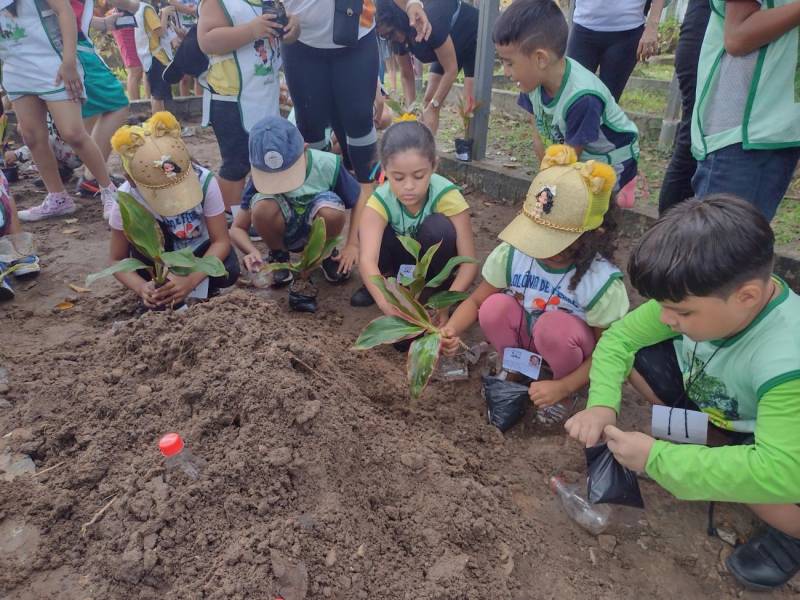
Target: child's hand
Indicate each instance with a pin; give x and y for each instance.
(68, 74)
(147, 292)
(450, 341)
(291, 32)
(348, 258)
(175, 290)
(253, 262)
(440, 317)
(547, 393)
(587, 425)
(263, 26)
(630, 448)
(419, 21)
(10, 158)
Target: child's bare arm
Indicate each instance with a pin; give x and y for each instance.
(68, 72)
(215, 35)
(538, 145)
(748, 28)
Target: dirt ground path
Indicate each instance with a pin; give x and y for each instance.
(322, 479)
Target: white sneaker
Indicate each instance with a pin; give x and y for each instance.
(54, 205)
(108, 196)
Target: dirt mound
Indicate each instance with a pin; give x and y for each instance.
(311, 487)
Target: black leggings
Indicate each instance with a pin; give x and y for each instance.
(613, 52)
(336, 87)
(434, 229)
(677, 184)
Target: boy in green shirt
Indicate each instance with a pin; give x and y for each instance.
(721, 335)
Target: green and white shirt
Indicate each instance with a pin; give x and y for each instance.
(599, 299)
(751, 384)
(753, 100)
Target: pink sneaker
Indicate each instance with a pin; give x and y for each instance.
(54, 205)
(108, 196)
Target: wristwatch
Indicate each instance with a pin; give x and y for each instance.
(412, 2)
(436, 104)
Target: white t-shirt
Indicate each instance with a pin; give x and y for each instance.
(602, 15)
(189, 229)
(316, 22)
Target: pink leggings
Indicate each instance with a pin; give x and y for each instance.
(563, 340)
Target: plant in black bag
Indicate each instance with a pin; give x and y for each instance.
(506, 401)
(608, 481)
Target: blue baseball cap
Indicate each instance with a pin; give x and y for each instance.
(277, 156)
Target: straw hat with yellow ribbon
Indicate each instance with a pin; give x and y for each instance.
(157, 160)
(566, 199)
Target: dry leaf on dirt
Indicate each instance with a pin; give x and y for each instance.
(70, 231)
(70, 221)
(79, 289)
(65, 305)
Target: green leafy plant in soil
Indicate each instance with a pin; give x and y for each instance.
(317, 249)
(413, 318)
(144, 233)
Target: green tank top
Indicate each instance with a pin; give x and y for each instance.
(551, 118)
(771, 118)
(402, 221)
(322, 171)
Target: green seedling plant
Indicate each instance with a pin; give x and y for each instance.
(466, 110)
(144, 233)
(412, 318)
(317, 249)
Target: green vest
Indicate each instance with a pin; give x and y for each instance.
(322, 171)
(551, 119)
(402, 221)
(772, 114)
(731, 376)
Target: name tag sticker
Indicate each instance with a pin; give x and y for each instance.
(522, 361)
(201, 291)
(679, 425)
(405, 272)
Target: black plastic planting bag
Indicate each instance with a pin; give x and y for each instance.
(608, 481)
(505, 401)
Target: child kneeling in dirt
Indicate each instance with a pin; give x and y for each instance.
(185, 200)
(721, 334)
(551, 287)
(17, 256)
(294, 184)
(418, 203)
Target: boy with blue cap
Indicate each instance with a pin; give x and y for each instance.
(290, 186)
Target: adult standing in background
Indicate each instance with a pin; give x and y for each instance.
(450, 49)
(612, 36)
(332, 73)
(677, 184)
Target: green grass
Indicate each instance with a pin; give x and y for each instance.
(644, 101)
(660, 72)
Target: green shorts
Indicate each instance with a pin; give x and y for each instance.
(104, 92)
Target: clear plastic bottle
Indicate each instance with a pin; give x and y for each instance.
(260, 278)
(592, 517)
(473, 355)
(178, 456)
(453, 368)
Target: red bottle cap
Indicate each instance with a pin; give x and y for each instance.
(170, 444)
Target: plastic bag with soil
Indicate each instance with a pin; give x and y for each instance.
(506, 401)
(608, 481)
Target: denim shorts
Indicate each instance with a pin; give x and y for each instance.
(298, 218)
(761, 177)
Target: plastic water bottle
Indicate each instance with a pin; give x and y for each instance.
(473, 355)
(592, 517)
(177, 456)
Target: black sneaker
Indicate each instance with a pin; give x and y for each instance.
(281, 277)
(303, 296)
(87, 188)
(767, 561)
(330, 270)
(361, 297)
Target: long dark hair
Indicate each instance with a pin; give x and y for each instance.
(389, 16)
(601, 241)
(407, 135)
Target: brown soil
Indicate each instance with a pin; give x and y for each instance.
(322, 478)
